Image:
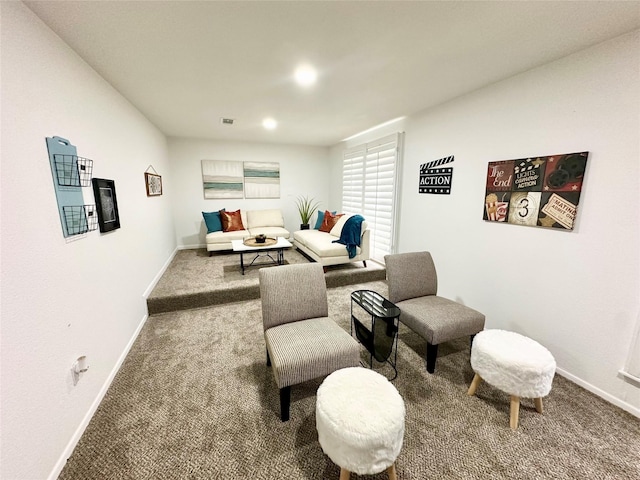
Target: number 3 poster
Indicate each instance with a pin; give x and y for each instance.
(540, 191)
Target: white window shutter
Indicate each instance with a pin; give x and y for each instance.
(369, 189)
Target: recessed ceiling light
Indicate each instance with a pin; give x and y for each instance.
(305, 75)
(269, 123)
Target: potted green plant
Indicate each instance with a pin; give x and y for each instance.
(306, 208)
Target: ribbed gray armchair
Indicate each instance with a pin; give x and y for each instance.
(413, 285)
(302, 342)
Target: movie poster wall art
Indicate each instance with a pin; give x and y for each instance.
(537, 191)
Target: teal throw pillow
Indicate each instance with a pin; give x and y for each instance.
(213, 222)
(321, 219)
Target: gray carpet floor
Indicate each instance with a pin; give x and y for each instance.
(194, 399)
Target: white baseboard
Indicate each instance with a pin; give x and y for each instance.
(632, 379)
(158, 276)
(75, 438)
(601, 393)
(191, 247)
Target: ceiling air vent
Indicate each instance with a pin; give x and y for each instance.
(227, 121)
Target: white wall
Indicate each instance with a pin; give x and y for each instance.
(303, 171)
(66, 298)
(575, 292)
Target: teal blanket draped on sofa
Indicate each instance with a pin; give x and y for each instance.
(350, 235)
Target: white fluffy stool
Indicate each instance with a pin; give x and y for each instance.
(360, 421)
(513, 363)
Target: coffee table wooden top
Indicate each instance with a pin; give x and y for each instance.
(239, 245)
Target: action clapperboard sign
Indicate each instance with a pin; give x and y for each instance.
(436, 179)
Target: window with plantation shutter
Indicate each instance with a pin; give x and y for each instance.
(369, 189)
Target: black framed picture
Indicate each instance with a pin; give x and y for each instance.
(104, 191)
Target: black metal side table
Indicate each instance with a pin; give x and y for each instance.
(381, 338)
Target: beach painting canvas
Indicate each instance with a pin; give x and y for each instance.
(261, 180)
(222, 179)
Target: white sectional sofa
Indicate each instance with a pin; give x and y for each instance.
(319, 245)
(269, 222)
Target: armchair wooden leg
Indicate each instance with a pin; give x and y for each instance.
(344, 474)
(391, 472)
(515, 412)
(268, 359)
(364, 262)
(432, 353)
(285, 402)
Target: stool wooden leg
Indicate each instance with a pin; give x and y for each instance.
(539, 408)
(391, 471)
(515, 411)
(474, 385)
(344, 474)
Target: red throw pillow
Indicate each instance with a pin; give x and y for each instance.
(329, 221)
(231, 221)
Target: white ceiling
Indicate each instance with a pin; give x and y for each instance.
(185, 65)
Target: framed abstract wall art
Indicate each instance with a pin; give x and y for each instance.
(537, 191)
(261, 180)
(222, 179)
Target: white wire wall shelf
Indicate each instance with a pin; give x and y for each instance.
(80, 218)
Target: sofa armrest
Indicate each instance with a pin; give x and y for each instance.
(364, 243)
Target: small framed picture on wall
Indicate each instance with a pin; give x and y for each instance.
(153, 183)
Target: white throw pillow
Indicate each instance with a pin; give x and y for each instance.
(337, 228)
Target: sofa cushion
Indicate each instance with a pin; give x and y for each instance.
(264, 218)
(321, 243)
(226, 237)
(212, 221)
(337, 228)
(272, 232)
(308, 237)
(330, 249)
(231, 221)
(329, 221)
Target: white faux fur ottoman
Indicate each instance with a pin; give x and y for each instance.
(360, 421)
(513, 363)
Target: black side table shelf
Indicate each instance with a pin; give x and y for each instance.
(381, 337)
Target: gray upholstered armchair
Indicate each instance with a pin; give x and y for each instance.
(413, 285)
(302, 342)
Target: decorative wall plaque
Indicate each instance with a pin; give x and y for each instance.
(436, 179)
